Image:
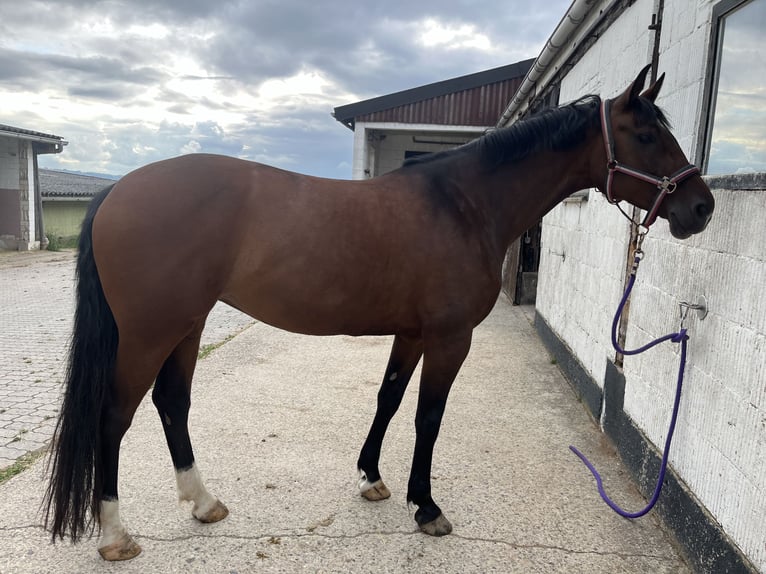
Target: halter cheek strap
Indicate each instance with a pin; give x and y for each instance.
(665, 185)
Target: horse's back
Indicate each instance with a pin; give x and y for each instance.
(292, 250)
(306, 254)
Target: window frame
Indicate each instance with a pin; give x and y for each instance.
(710, 97)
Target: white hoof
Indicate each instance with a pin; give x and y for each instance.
(373, 490)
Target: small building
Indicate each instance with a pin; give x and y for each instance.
(443, 115)
(21, 219)
(65, 199)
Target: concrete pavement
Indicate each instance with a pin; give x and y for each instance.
(277, 421)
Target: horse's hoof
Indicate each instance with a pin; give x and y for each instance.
(439, 526)
(374, 491)
(123, 549)
(217, 512)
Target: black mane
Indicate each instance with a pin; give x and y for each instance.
(554, 129)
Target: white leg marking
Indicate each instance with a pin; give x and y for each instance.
(365, 485)
(190, 488)
(112, 529)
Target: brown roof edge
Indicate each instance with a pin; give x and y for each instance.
(347, 114)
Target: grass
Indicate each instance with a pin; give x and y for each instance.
(57, 242)
(20, 465)
(205, 350)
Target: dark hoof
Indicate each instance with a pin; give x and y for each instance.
(440, 526)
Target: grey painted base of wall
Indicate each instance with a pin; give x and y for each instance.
(706, 546)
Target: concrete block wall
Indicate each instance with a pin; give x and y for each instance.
(720, 443)
(580, 279)
(360, 161)
(578, 292)
(684, 47)
(17, 194)
(27, 197)
(720, 446)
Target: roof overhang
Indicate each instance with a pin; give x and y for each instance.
(347, 114)
(44, 143)
(582, 25)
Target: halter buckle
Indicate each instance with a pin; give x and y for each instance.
(667, 185)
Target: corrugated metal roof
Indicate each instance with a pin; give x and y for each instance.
(475, 107)
(472, 100)
(65, 185)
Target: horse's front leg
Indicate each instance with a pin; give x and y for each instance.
(405, 355)
(442, 359)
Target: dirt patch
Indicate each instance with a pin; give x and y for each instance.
(26, 258)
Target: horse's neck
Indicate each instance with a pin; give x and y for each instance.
(518, 195)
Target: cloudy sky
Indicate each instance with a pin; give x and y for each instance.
(128, 82)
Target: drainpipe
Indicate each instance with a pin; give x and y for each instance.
(557, 45)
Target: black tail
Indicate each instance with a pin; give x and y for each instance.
(71, 503)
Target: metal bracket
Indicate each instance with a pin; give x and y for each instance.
(700, 307)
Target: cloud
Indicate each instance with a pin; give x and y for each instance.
(131, 82)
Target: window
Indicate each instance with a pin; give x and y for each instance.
(735, 139)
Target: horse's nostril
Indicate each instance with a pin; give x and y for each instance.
(703, 210)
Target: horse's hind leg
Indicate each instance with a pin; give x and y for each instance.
(172, 397)
(405, 355)
(133, 378)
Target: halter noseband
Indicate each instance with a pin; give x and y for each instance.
(666, 185)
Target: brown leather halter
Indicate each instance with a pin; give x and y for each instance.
(666, 185)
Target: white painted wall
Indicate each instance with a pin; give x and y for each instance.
(579, 290)
(31, 241)
(9, 163)
(17, 162)
(720, 445)
(379, 147)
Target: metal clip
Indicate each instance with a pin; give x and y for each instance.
(641, 232)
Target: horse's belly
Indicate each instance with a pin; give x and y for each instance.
(323, 314)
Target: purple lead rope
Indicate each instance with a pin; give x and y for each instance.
(680, 337)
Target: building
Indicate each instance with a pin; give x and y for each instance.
(21, 220)
(391, 128)
(65, 199)
(715, 96)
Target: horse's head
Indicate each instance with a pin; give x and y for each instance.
(645, 165)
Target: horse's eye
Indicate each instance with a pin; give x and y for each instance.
(646, 138)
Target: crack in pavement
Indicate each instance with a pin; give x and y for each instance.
(270, 538)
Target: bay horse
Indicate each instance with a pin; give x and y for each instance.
(416, 253)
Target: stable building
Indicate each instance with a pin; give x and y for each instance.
(21, 218)
(65, 199)
(431, 118)
(712, 54)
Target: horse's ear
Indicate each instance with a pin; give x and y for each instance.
(651, 93)
(630, 96)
